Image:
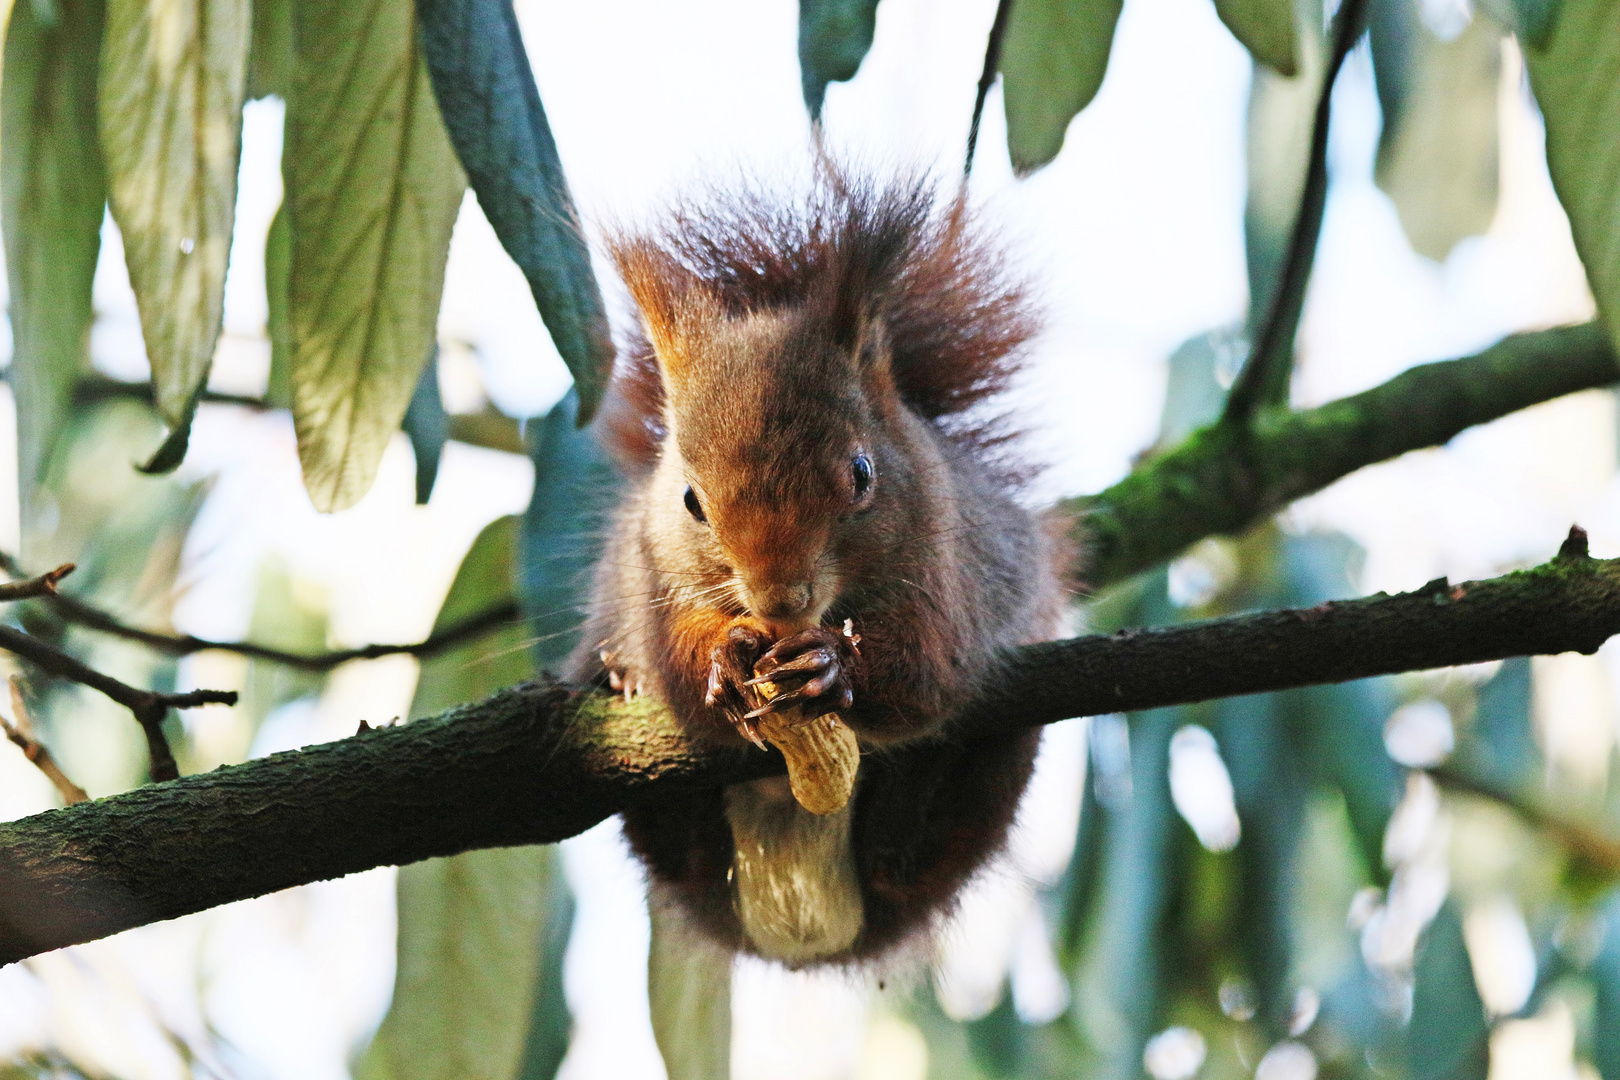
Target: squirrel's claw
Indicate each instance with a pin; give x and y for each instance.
(825, 662)
(731, 664)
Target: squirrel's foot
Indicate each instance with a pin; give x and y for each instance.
(620, 678)
(731, 665)
(814, 670)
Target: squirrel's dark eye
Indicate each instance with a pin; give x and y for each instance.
(694, 507)
(860, 471)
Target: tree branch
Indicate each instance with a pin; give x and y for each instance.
(1222, 479)
(541, 762)
(1264, 378)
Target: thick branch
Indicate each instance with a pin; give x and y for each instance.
(539, 762)
(1223, 478)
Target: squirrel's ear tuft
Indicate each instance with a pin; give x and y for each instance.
(664, 292)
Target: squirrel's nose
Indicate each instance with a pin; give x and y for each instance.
(782, 601)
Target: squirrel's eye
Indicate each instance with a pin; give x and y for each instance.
(860, 471)
(694, 507)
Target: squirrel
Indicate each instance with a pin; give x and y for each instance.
(820, 497)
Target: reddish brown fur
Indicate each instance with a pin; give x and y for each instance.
(781, 338)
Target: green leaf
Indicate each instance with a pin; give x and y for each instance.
(269, 68)
(172, 77)
(1533, 19)
(481, 934)
(372, 192)
(1438, 157)
(834, 36)
(492, 107)
(1606, 1010)
(52, 194)
(576, 486)
(1447, 1036)
(469, 931)
(689, 992)
(277, 254)
(477, 669)
(1576, 78)
(428, 427)
(1052, 62)
(172, 451)
(1266, 28)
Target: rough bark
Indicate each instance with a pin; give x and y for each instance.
(541, 762)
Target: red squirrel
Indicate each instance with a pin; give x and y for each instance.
(820, 497)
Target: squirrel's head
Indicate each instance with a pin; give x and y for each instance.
(781, 444)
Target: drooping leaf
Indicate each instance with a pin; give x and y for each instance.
(1266, 28)
(269, 68)
(490, 103)
(1281, 114)
(689, 991)
(172, 78)
(834, 36)
(1438, 158)
(470, 927)
(172, 451)
(1606, 1008)
(481, 934)
(52, 195)
(1501, 748)
(1576, 78)
(372, 192)
(1446, 1039)
(550, 1024)
(575, 485)
(477, 669)
(277, 255)
(428, 427)
(1052, 62)
(1533, 19)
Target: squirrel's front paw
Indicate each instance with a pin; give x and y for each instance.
(813, 670)
(620, 678)
(731, 665)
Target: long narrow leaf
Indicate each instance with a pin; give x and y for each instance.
(52, 195)
(372, 192)
(491, 105)
(172, 79)
(834, 36)
(1052, 62)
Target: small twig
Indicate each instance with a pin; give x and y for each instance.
(42, 585)
(1256, 383)
(75, 611)
(150, 708)
(992, 61)
(1586, 843)
(22, 734)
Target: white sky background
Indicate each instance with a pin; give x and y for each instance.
(1136, 235)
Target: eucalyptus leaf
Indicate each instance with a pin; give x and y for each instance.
(428, 427)
(576, 486)
(689, 993)
(1606, 979)
(834, 36)
(1576, 78)
(1053, 59)
(487, 93)
(1447, 1036)
(1266, 28)
(172, 451)
(1438, 159)
(52, 199)
(478, 932)
(469, 930)
(277, 254)
(372, 192)
(269, 68)
(172, 79)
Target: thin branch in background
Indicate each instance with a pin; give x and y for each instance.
(22, 734)
(150, 708)
(41, 585)
(992, 62)
(1271, 354)
(1582, 841)
(78, 613)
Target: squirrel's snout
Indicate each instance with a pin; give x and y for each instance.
(786, 600)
